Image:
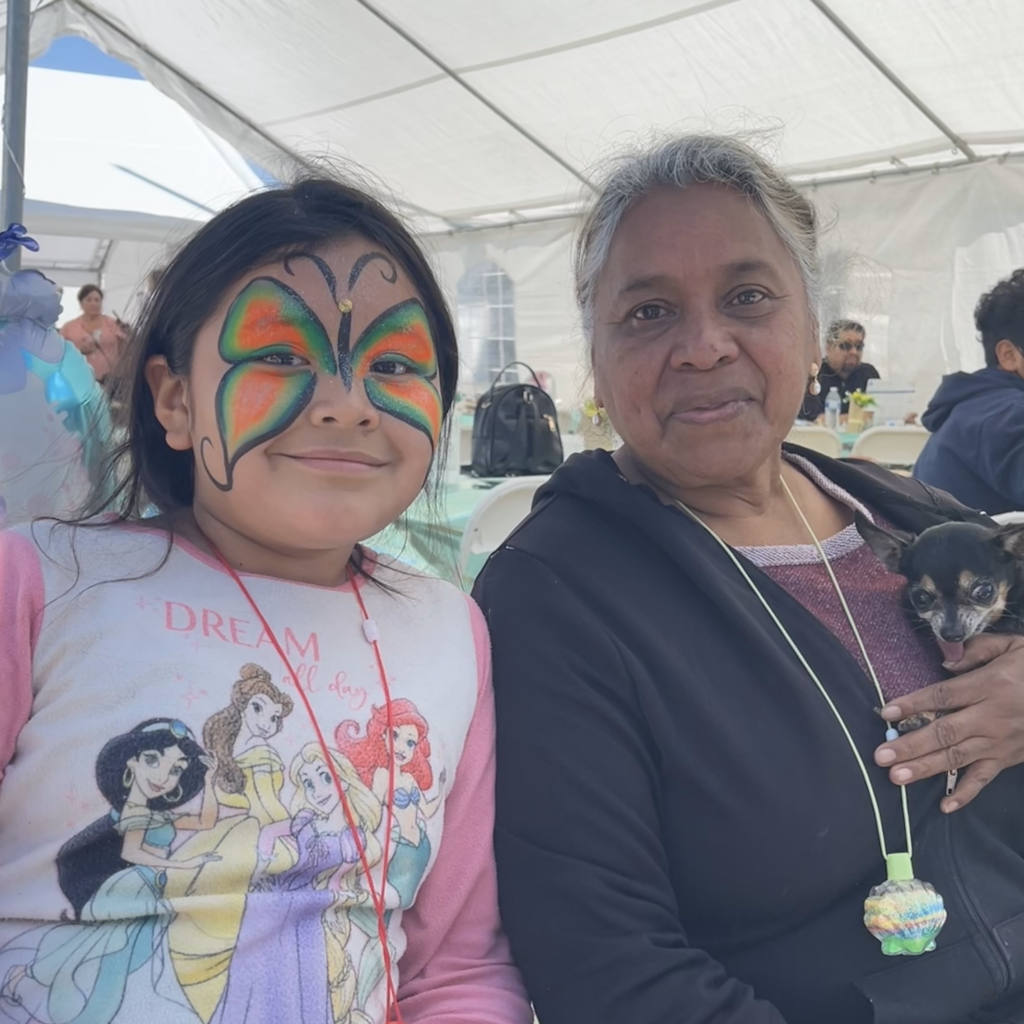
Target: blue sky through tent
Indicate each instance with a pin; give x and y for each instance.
(72, 53)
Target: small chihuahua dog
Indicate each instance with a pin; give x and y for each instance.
(962, 578)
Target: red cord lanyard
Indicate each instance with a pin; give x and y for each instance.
(377, 899)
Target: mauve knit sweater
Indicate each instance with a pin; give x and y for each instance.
(905, 658)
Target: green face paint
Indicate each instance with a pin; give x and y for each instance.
(269, 329)
(396, 360)
(277, 348)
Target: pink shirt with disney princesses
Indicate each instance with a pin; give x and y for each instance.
(137, 882)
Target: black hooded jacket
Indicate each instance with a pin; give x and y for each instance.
(976, 451)
(683, 835)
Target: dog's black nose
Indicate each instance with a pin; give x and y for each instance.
(952, 636)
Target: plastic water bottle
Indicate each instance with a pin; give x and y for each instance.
(832, 405)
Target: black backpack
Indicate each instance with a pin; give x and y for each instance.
(515, 430)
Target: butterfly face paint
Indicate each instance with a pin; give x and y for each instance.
(277, 347)
(396, 361)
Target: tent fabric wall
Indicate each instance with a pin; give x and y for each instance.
(907, 255)
(536, 257)
(914, 255)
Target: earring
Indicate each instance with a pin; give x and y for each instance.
(171, 798)
(596, 419)
(128, 778)
(814, 387)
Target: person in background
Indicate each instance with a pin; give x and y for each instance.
(844, 368)
(98, 337)
(976, 451)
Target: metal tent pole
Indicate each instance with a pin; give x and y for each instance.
(15, 101)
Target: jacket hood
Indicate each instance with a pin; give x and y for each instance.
(960, 387)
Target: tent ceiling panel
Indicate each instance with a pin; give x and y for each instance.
(468, 158)
(65, 251)
(962, 59)
(466, 34)
(275, 61)
(719, 68)
(487, 106)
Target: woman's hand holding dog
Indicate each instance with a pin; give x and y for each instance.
(981, 727)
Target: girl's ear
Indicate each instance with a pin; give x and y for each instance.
(170, 403)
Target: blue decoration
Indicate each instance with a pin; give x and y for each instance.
(14, 237)
(54, 418)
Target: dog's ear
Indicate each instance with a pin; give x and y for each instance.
(888, 546)
(1011, 539)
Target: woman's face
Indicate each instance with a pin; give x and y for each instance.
(318, 787)
(313, 417)
(92, 304)
(262, 716)
(158, 772)
(406, 738)
(702, 336)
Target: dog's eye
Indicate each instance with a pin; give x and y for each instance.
(922, 599)
(983, 592)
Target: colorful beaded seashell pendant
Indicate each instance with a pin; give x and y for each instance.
(904, 914)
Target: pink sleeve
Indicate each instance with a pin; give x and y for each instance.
(21, 613)
(457, 968)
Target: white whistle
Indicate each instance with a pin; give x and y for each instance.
(370, 631)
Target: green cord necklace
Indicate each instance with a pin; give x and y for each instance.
(903, 913)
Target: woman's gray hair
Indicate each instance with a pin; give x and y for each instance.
(685, 160)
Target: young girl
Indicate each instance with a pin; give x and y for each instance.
(288, 386)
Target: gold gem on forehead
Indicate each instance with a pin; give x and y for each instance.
(345, 305)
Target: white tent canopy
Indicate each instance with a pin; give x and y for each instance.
(475, 109)
(481, 113)
(114, 171)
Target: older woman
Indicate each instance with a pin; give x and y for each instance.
(98, 337)
(688, 741)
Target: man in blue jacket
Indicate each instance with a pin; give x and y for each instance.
(976, 451)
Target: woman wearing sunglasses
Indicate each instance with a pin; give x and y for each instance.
(844, 368)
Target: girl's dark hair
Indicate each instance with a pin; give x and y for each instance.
(87, 289)
(88, 859)
(999, 316)
(143, 474)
